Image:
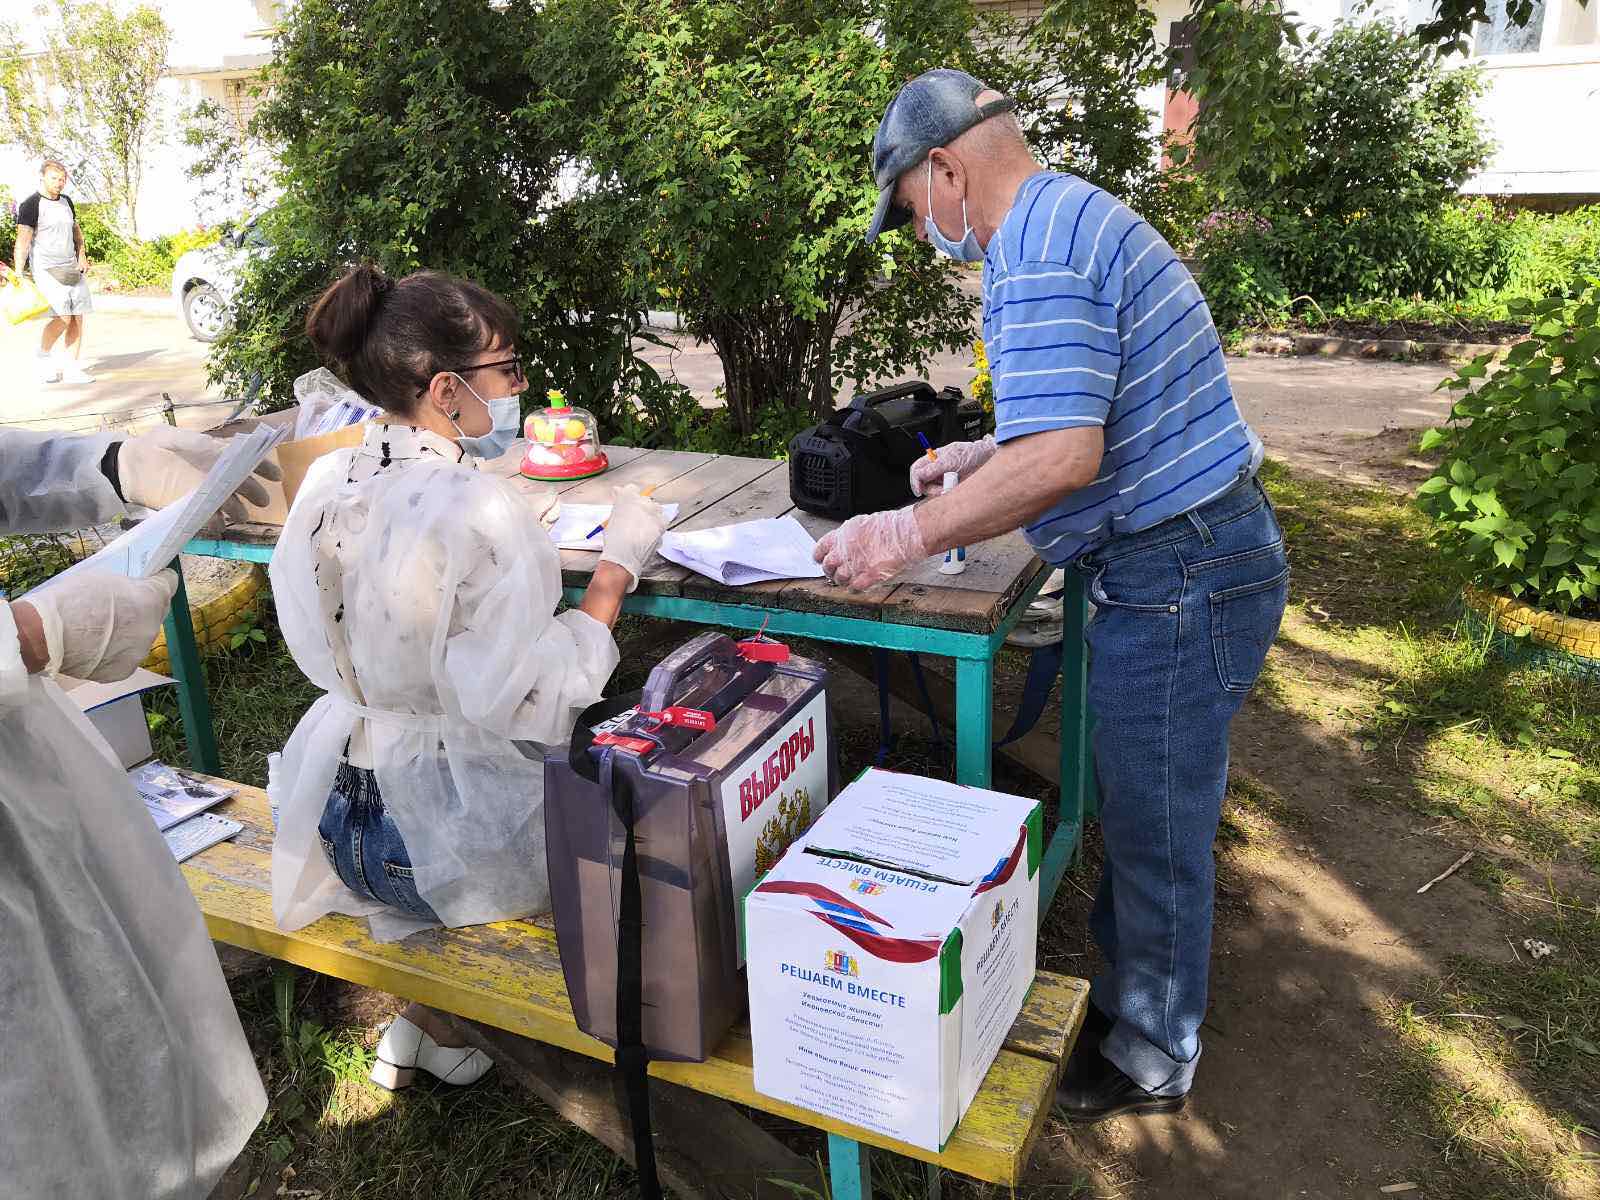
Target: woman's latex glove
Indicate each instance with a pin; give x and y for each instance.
(546, 507)
(869, 549)
(633, 532)
(100, 625)
(927, 474)
(166, 464)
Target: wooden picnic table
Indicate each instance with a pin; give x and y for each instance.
(964, 617)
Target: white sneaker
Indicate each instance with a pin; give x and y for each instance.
(49, 371)
(73, 373)
(404, 1048)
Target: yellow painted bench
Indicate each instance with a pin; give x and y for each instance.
(508, 976)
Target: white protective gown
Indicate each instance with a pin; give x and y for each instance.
(420, 596)
(124, 1074)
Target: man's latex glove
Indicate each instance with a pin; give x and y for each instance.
(633, 532)
(927, 474)
(869, 549)
(101, 625)
(166, 464)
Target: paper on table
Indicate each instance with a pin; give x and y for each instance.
(152, 544)
(188, 838)
(574, 522)
(750, 552)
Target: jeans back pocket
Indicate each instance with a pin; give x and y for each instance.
(402, 880)
(1244, 621)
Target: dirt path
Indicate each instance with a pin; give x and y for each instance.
(1319, 928)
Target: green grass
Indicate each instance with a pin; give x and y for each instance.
(344, 1137)
(1499, 1058)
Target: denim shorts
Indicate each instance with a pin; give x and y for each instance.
(365, 847)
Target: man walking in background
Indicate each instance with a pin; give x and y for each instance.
(47, 227)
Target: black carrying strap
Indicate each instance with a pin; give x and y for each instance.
(633, 1060)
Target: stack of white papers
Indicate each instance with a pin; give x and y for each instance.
(750, 552)
(575, 521)
(151, 545)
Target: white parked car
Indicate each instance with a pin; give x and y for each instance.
(204, 280)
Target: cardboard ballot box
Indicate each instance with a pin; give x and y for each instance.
(889, 952)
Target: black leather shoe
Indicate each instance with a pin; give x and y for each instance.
(1109, 1093)
(1083, 1062)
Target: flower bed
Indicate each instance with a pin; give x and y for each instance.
(1522, 633)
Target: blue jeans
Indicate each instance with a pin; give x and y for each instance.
(364, 845)
(1185, 612)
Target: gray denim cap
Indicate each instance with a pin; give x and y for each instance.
(934, 109)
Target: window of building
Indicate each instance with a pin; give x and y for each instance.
(1575, 24)
(1499, 36)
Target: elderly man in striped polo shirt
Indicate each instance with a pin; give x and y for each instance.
(1119, 451)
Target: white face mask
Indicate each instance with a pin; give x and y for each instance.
(505, 417)
(967, 249)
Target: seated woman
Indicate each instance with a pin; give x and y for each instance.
(419, 593)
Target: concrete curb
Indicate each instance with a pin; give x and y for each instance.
(1388, 348)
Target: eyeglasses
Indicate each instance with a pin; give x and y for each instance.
(513, 364)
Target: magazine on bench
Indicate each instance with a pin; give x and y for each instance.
(172, 795)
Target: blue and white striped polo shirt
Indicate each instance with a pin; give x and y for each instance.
(1090, 319)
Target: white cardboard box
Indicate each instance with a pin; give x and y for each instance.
(890, 950)
(116, 710)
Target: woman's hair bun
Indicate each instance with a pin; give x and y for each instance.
(341, 319)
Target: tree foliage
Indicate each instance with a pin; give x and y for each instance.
(230, 163)
(740, 137)
(593, 159)
(1247, 120)
(95, 105)
(1361, 205)
(412, 135)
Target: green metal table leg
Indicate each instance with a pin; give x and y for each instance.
(193, 702)
(849, 1168)
(974, 721)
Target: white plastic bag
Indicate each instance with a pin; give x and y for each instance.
(327, 404)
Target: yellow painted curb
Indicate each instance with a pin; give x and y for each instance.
(213, 619)
(1572, 635)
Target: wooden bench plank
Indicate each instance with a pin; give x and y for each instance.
(1051, 1017)
(508, 975)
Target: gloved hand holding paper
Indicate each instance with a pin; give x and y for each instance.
(750, 552)
(151, 545)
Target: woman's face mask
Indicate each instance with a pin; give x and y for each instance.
(505, 422)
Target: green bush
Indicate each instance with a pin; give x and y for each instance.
(8, 225)
(141, 264)
(101, 236)
(1252, 269)
(149, 264)
(186, 240)
(1541, 255)
(1515, 500)
(1364, 207)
